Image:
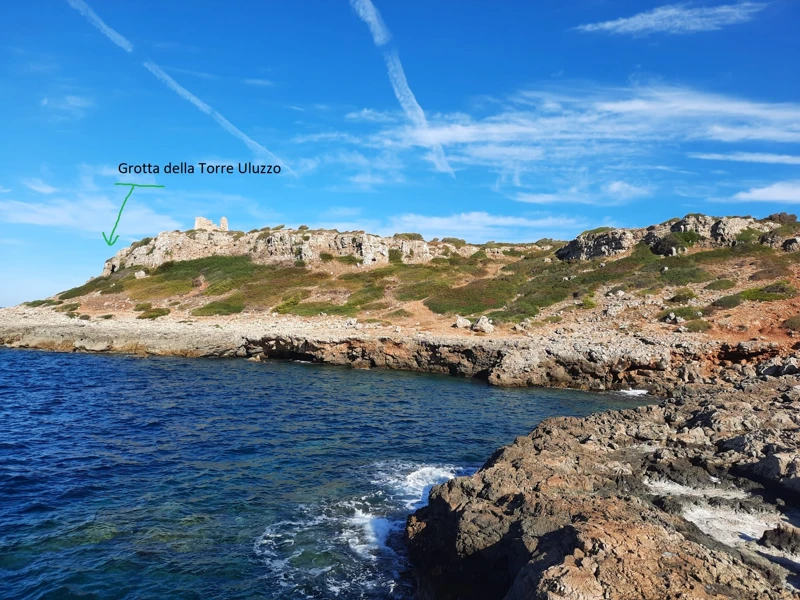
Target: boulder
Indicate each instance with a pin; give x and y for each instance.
(483, 325)
(462, 322)
(602, 243)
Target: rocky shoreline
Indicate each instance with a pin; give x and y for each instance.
(696, 497)
(593, 359)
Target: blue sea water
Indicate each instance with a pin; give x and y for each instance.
(126, 477)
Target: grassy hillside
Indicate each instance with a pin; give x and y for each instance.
(508, 286)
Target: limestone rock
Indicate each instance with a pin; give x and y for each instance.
(483, 325)
(462, 322)
(605, 243)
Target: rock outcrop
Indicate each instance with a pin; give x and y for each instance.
(666, 238)
(283, 246)
(647, 503)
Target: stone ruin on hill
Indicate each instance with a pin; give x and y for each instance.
(203, 224)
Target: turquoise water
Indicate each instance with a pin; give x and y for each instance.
(124, 477)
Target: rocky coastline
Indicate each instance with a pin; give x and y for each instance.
(696, 497)
(594, 359)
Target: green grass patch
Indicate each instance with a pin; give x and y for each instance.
(326, 256)
(227, 306)
(698, 326)
(780, 290)
(771, 272)
(38, 303)
(154, 313)
(453, 241)
(395, 256)
(690, 313)
(143, 306)
(792, 323)
(409, 236)
(682, 296)
(731, 301)
(720, 285)
(596, 230)
(70, 307)
(400, 313)
(682, 276)
(477, 296)
(349, 259)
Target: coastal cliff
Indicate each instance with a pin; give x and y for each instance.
(696, 497)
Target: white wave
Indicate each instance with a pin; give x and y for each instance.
(411, 483)
(634, 392)
(368, 533)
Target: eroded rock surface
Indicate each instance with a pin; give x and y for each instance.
(642, 503)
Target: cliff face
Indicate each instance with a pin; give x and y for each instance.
(282, 246)
(654, 502)
(704, 231)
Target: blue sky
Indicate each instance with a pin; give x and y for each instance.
(506, 121)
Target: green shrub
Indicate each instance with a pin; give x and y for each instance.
(728, 301)
(395, 256)
(596, 230)
(154, 313)
(71, 307)
(299, 263)
(720, 285)
(684, 312)
(106, 317)
(792, 323)
(37, 303)
(326, 256)
(479, 255)
(143, 306)
(682, 276)
(588, 302)
(409, 236)
(771, 272)
(780, 290)
(683, 295)
(140, 243)
(349, 259)
(698, 326)
(400, 313)
(554, 319)
(453, 241)
(477, 296)
(227, 306)
(84, 317)
(748, 236)
(302, 228)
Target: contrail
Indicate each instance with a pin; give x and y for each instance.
(408, 102)
(159, 73)
(176, 87)
(92, 17)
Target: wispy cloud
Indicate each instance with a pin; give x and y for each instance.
(368, 114)
(193, 73)
(86, 213)
(679, 19)
(37, 185)
(92, 17)
(397, 77)
(782, 191)
(258, 82)
(481, 226)
(752, 157)
(370, 15)
(254, 146)
(626, 191)
(4, 190)
(69, 106)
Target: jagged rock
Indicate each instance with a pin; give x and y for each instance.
(791, 244)
(462, 322)
(571, 511)
(604, 243)
(784, 537)
(140, 275)
(483, 325)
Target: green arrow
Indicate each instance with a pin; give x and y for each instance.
(111, 240)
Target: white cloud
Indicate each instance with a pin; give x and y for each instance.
(258, 82)
(4, 190)
(679, 19)
(753, 157)
(370, 15)
(625, 191)
(783, 191)
(481, 226)
(37, 185)
(92, 17)
(87, 213)
(198, 74)
(70, 105)
(368, 114)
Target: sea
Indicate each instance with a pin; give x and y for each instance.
(156, 477)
